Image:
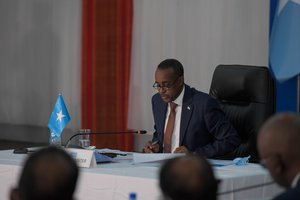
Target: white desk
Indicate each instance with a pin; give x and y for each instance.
(114, 181)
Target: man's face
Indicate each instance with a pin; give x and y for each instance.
(170, 84)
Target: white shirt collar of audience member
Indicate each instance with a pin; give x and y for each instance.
(295, 180)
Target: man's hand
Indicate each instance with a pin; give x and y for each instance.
(151, 147)
(181, 149)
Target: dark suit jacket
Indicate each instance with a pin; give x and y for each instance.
(290, 194)
(203, 128)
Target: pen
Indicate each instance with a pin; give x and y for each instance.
(153, 143)
(150, 146)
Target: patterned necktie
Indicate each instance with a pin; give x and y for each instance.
(169, 128)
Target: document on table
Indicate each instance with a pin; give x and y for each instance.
(111, 151)
(220, 163)
(153, 157)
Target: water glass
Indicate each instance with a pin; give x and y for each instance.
(84, 139)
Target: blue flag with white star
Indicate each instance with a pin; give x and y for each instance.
(59, 117)
(285, 40)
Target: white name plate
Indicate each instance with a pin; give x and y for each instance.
(83, 157)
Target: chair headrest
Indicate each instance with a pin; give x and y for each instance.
(241, 83)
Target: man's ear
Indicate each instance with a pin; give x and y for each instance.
(182, 80)
(279, 165)
(14, 194)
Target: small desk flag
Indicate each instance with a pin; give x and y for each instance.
(59, 117)
(285, 40)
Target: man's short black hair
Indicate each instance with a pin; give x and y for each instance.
(173, 64)
(50, 173)
(176, 183)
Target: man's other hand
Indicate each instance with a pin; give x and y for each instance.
(181, 149)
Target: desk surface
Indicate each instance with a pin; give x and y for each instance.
(117, 180)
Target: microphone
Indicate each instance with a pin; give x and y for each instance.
(103, 133)
(22, 150)
(246, 188)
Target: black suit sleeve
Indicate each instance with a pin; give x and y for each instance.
(225, 137)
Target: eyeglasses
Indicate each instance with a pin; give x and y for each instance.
(165, 86)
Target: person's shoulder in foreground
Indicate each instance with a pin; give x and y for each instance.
(48, 174)
(188, 178)
(291, 194)
(278, 147)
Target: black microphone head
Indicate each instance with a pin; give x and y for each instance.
(21, 150)
(142, 131)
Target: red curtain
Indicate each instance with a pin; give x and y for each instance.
(106, 50)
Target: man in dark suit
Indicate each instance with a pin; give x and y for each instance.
(278, 146)
(187, 120)
(188, 178)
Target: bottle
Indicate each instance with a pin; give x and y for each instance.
(132, 196)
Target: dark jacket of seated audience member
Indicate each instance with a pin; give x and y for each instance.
(188, 178)
(49, 174)
(278, 146)
(290, 194)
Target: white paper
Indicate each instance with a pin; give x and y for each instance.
(153, 157)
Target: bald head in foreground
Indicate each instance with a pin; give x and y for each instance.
(190, 177)
(49, 174)
(279, 149)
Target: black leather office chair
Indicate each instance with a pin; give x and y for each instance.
(247, 96)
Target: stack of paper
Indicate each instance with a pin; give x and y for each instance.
(153, 157)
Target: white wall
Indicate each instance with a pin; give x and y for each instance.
(201, 34)
(39, 58)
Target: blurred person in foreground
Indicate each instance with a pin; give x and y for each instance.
(188, 178)
(48, 174)
(279, 150)
(187, 120)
